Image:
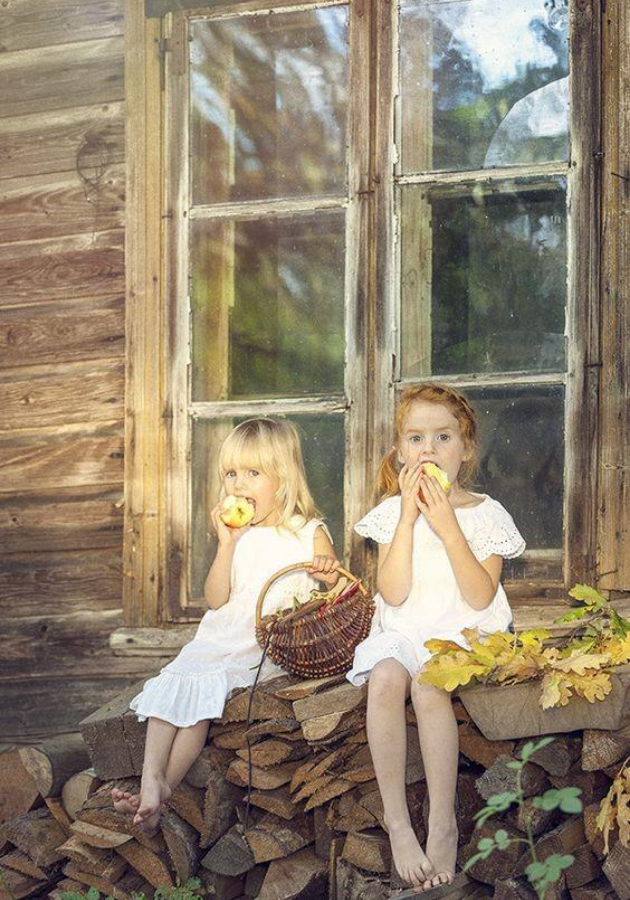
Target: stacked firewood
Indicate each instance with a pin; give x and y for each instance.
(314, 827)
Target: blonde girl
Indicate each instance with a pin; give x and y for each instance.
(439, 565)
(260, 460)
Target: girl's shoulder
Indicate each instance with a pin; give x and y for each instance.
(490, 529)
(381, 521)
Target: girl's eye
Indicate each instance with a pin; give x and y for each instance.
(415, 438)
(254, 472)
(443, 437)
(230, 474)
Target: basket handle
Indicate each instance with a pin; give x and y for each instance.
(294, 568)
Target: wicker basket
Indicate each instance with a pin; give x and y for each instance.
(317, 639)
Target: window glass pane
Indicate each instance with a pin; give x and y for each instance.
(323, 444)
(484, 83)
(483, 278)
(268, 105)
(268, 306)
(522, 457)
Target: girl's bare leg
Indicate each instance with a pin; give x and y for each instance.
(387, 736)
(439, 744)
(154, 788)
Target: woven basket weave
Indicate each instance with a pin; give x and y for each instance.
(317, 639)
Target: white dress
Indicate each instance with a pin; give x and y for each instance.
(435, 607)
(224, 653)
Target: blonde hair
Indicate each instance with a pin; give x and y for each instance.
(272, 446)
(387, 478)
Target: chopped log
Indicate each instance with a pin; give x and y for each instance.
(77, 789)
(231, 740)
(311, 787)
(55, 806)
(188, 802)
(53, 763)
(601, 889)
(467, 803)
(594, 785)
(351, 817)
(351, 884)
(135, 733)
(564, 838)
(153, 867)
(111, 820)
(617, 870)
(327, 792)
(324, 834)
(514, 889)
(359, 737)
(279, 802)
(182, 843)
(198, 774)
(37, 834)
(540, 820)
(302, 771)
(18, 791)
(584, 869)
(479, 749)
(271, 727)
(373, 803)
(272, 838)
(254, 880)
(124, 889)
(262, 779)
(221, 799)
(20, 862)
(264, 706)
(344, 698)
(300, 877)
(592, 832)
(104, 735)
(66, 884)
(369, 850)
(272, 752)
(601, 749)
(221, 887)
(15, 885)
(105, 863)
(334, 725)
(303, 689)
(230, 855)
(96, 836)
(557, 758)
(497, 865)
(499, 778)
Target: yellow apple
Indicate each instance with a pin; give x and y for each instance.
(236, 511)
(434, 471)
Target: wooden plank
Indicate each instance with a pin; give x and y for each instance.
(42, 143)
(56, 269)
(29, 23)
(64, 76)
(40, 584)
(72, 203)
(76, 644)
(50, 395)
(68, 519)
(144, 421)
(32, 706)
(65, 457)
(613, 513)
(88, 328)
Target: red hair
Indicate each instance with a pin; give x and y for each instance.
(457, 404)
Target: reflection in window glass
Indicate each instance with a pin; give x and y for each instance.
(483, 83)
(268, 306)
(268, 105)
(484, 279)
(323, 444)
(522, 457)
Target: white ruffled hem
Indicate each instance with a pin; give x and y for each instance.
(386, 645)
(184, 700)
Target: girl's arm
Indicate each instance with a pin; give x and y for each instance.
(394, 560)
(477, 581)
(217, 586)
(325, 562)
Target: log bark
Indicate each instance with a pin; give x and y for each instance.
(105, 863)
(601, 749)
(300, 877)
(153, 867)
(230, 855)
(188, 802)
(124, 889)
(274, 838)
(617, 870)
(278, 801)
(264, 706)
(479, 749)
(222, 798)
(20, 862)
(38, 835)
(262, 779)
(51, 764)
(15, 885)
(341, 699)
(557, 758)
(273, 752)
(58, 812)
(303, 689)
(97, 836)
(499, 778)
(601, 889)
(182, 843)
(369, 850)
(499, 864)
(585, 868)
(352, 884)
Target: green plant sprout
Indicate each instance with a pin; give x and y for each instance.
(540, 873)
(187, 891)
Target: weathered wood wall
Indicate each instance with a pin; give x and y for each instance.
(62, 181)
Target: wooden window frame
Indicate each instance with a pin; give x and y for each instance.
(152, 541)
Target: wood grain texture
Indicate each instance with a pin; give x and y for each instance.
(61, 77)
(25, 24)
(41, 143)
(59, 269)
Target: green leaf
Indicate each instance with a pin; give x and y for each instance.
(485, 844)
(92, 894)
(502, 839)
(542, 874)
(572, 616)
(500, 802)
(588, 595)
(514, 764)
(567, 799)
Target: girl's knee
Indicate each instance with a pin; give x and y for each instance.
(426, 696)
(388, 680)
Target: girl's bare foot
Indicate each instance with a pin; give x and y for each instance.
(442, 851)
(154, 792)
(125, 802)
(410, 861)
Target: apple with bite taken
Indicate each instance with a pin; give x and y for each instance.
(236, 512)
(434, 471)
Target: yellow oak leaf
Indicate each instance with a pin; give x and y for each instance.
(623, 818)
(592, 685)
(450, 671)
(436, 645)
(522, 667)
(555, 690)
(580, 662)
(607, 817)
(617, 649)
(534, 637)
